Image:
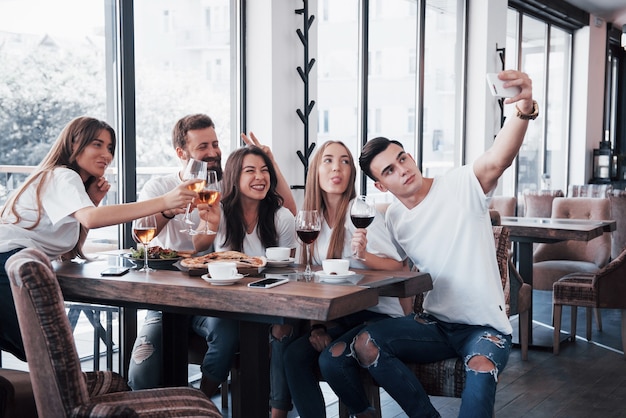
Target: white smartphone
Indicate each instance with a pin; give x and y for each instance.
(497, 87)
(268, 282)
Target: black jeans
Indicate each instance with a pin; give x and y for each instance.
(10, 337)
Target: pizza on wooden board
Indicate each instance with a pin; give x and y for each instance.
(241, 259)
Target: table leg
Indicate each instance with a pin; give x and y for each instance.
(254, 371)
(128, 334)
(175, 348)
(525, 268)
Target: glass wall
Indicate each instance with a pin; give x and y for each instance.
(544, 52)
(397, 66)
(55, 67)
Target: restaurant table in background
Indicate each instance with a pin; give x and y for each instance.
(527, 231)
(179, 295)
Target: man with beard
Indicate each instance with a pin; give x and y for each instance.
(194, 137)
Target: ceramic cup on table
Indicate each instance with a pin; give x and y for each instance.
(336, 266)
(222, 270)
(277, 253)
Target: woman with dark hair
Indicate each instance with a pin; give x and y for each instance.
(249, 219)
(58, 203)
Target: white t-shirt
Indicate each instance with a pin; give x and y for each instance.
(285, 228)
(57, 233)
(170, 236)
(378, 243)
(449, 235)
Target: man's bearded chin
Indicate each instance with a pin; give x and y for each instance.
(215, 164)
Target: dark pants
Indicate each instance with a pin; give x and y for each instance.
(10, 337)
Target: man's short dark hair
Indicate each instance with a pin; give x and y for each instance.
(189, 123)
(371, 149)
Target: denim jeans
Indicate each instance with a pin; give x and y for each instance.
(301, 363)
(10, 337)
(222, 336)
(419, 339)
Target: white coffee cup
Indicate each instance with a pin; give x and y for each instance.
(336, 266)
(278, 253)
(222, 270)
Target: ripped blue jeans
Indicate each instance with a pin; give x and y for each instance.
(417, 339)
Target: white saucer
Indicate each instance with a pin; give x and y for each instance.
(222, 282)
(333, 278)
(280, 263)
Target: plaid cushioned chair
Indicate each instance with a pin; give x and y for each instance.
(604, 289)
(59, 385)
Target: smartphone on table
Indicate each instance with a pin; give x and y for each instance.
(115, 271)
(269, 282)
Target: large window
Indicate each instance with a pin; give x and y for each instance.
(55, 66)
(430, 129)
(545, 52)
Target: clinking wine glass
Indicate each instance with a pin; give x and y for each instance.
(195, 169)
(362, 214)
(144, 230)
(308, 225)
(209, 195)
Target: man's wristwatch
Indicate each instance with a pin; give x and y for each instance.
(528, 116)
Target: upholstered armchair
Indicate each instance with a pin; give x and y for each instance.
(505, 205)
(553, 261)
(538, 203)
(61, 389)
(589, 190)
(604, 289)
(618, 214)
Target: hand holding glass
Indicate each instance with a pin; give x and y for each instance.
(144, 230)
(209, 195)
(195, 169)
(362, 214)
(308, 225)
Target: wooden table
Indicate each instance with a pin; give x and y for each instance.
(527, 231)
(179, 295)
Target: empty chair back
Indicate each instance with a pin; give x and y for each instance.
(618, 214)
(538, 204)
(596, 251)
(589, 190)
(505, 205)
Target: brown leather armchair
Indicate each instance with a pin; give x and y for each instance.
(60, 387)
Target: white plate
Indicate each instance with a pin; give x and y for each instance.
(280, 263)
(222, 282)
(333, 278)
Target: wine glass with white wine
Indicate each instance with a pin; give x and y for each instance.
(195, 169)
(144, 230)
(209, 195)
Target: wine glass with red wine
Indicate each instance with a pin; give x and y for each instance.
(362, 214)
(308, 225)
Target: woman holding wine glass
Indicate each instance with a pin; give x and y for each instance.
(59, 202)
(249, 219)
(331, 192)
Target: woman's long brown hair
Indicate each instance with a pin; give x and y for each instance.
(70, 143)
(315, 199)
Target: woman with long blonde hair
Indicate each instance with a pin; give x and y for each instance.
(330, 190)
(58, 203)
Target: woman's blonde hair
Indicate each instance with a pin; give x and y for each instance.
(71, 142)
(314, 199)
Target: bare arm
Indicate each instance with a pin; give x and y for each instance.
(97, 217)
(359, 245)
(490, 166)
(282, 187)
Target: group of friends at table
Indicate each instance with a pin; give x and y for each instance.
(438, 225)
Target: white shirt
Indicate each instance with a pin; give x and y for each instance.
(378, 243)
(285, 229)
(449, 235)
(57, 233)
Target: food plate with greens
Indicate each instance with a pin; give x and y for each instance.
(157, 257)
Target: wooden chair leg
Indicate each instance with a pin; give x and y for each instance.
(624, 331)
(588, 314)
(556, 319)
(598, 315)
(224, 393)
(573, 319)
